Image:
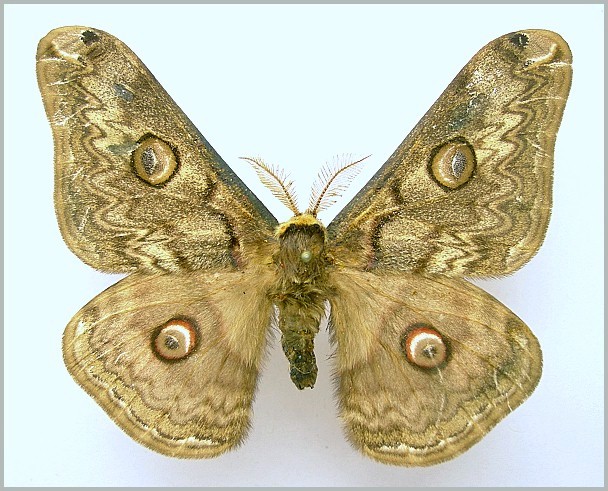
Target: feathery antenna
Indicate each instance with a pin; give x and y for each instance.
(331, 182)
(277, 182)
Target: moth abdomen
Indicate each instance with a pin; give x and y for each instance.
(299, 329)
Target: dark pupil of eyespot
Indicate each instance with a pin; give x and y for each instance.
(149, 161)
(458, 164)
(430, 351)
(171, 342)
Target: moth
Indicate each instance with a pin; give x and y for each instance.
(426, 363)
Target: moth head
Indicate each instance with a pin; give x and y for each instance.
(298, 222)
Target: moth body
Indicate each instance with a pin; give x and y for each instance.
(300, 292)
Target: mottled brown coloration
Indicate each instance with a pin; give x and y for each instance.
(195, 407)
(507, 104)
(400, 413)
(426, 363)
(202, 218)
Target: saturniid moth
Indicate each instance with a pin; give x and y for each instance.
(426, 363)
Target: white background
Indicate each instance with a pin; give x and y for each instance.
(297, 85)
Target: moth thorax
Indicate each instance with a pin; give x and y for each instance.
(302, 242)
(424, 346)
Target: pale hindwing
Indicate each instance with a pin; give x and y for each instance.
(468, 192)
(136, 185)
(195, 406)
(402, 413)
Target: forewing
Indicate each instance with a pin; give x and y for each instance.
(468, 192)
(136, 185)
